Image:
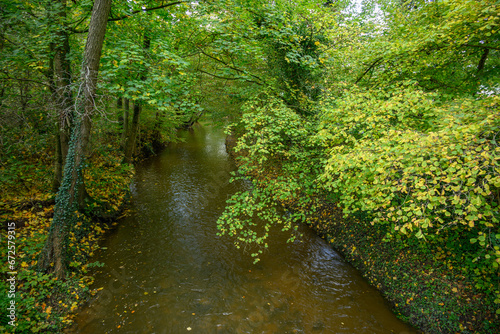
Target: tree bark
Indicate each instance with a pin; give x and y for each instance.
(89, 73)
(71, 195)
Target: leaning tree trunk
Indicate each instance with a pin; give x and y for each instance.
(72, 192)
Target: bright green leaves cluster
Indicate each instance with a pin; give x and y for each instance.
(384, 160)
(165, 84)
(276, 140)
(404, 132)
(423, 167)
(151, 70)
(242, 220)
(441, 44)
(416, 148)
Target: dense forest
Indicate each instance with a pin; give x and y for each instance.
(375, 122)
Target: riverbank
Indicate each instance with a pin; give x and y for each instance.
(42, 303)
(428, 289)
(425, 292)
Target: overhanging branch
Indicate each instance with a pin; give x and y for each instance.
(368, 69)
(142, 10)
(229, 66)
(27, 80)
(229, 78)
(145, 10)
(482, 46)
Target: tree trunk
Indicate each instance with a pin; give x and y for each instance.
(132, 134)
(58, 173)
(71, 195)
(89, 72)
(125, 129)
(119, 106)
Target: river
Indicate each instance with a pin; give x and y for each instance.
(166, 270)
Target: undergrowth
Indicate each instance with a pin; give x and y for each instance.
(44, 303)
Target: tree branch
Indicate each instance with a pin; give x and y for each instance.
(229, 78)
(482, 61)
(145, 10)
(482, 46)
(368, 69)
(29, 80)
(73, 30)
(229, 66)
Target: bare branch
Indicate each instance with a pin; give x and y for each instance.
(482, 61)
(226, 64)
(368, 69)
(145, 10)
(131, 14)
(229, 78)
(29, 80)
(482, 46)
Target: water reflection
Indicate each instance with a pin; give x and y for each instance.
(167, 271)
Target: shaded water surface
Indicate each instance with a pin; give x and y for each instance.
(166, 271)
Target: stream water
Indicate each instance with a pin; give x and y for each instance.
(166, 271)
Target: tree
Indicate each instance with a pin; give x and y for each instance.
(71, 195)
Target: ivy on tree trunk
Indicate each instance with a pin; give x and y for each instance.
(71, 196)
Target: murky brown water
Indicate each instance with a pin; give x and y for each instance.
(166, 271)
